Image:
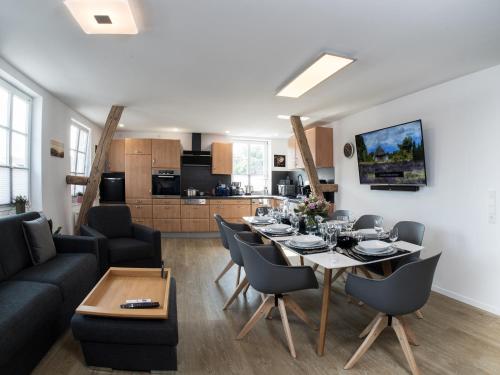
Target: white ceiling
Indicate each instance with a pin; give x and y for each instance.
(212, 66)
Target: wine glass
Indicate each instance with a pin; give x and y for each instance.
(322, 230)
(332, 239)
(277, 216)
(377, 225)
(393, 235)
(295, 221)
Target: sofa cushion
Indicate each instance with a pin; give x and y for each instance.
(25, 309)
(70, 272)
(127, 249)
(39, 240)
(111, 221)
(14, 253)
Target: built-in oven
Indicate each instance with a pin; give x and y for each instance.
(166, 183)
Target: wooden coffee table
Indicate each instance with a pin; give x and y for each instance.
(120, 284)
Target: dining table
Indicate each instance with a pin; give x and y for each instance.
(339, 261)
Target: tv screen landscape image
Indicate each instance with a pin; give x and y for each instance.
(393, 156)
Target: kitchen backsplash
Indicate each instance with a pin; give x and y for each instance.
(201, 178)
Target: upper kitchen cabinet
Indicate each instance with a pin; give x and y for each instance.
(116, 156)
(222, 158)
(135, 146)
(320, 142)
(166, 153)
(137, 176)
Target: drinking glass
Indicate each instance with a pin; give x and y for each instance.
(277, 216)
(332, 241)
(393, 235)
(322, 227)
(378, 228)
(295, 221)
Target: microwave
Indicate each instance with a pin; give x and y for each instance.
(166, 183)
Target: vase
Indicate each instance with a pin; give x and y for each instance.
(20, 208)
(311, 225)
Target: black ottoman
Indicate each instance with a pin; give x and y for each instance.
(130, 344)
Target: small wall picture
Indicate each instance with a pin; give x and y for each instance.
(280, 161)
(56, 148)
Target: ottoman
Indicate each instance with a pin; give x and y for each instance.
(130, 344)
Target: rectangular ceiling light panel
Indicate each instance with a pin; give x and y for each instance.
(103, 16)
(320, 70)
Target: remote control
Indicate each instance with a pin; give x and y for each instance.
(140, 305)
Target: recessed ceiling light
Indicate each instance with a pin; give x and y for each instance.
(227, 132)
(103, 16)
(320, 70)
(175, 129)
(287, 117)
(121, 125)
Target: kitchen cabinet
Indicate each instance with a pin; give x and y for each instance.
(170, 211)
(222, 158)
(115, 161)
(261, 202)
(320, 142)
(166, 153)
(135, 146)
(167, 225)
(195, 211)
(137, 176)
(140, 211)
(146, 222)
(231, 210)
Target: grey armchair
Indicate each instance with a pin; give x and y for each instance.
(403, 292)
(268, 272)
(237, 227)
(121, 242)
(235, 253)
(339, 213)
(367, 221)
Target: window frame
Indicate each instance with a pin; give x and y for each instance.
(266, 166)
(14, 91)
(81, 127)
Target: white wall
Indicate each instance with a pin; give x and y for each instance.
(461, 125)
(51, 120)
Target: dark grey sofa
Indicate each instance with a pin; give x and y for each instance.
(121, 242)
(37, 302)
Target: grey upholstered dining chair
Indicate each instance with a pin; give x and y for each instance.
(263, 209)
(339, 213)
(238, 227)
(403, 292)
(269, 273)
(236, 257)
(367, 221)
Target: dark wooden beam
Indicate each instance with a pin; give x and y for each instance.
(98, 164)
(77, 180)
(307, 157)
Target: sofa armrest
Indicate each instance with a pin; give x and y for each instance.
(102, 244)
(75, 244)
(147, 234)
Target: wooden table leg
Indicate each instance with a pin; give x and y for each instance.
(387, 268)
(301, 260)
(327, 281)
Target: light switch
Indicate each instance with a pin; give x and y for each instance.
(492, 206)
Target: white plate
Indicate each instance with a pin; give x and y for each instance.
(307, 240)
(278, 227)
(374, 245)
(320, 245)
(270, 231)
(262, 219)
(389, 251)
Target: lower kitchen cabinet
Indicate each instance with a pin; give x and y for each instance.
(141, 211)
(167, 225)
(195, 225)
(146, 222)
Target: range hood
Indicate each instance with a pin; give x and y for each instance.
(196, 157)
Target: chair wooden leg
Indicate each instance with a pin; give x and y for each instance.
(297, 310)
(246, 289)
(227, 268)
(238, 290)
(315, 267)
(370, 326)
(378, 327)
(238, 276)
(412, 339)
(262, 311)
(403, 340)
(366, 272)
(419, 314)
(286, 327)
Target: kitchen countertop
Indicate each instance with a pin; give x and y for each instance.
(253, 196)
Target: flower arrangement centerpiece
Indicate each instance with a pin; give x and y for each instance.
(311, 207)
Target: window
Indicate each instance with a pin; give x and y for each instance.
(250, 164)
(15, 126)
(79, 151)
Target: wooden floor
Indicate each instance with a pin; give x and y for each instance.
(454, 338)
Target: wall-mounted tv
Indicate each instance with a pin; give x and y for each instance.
(392, 156)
